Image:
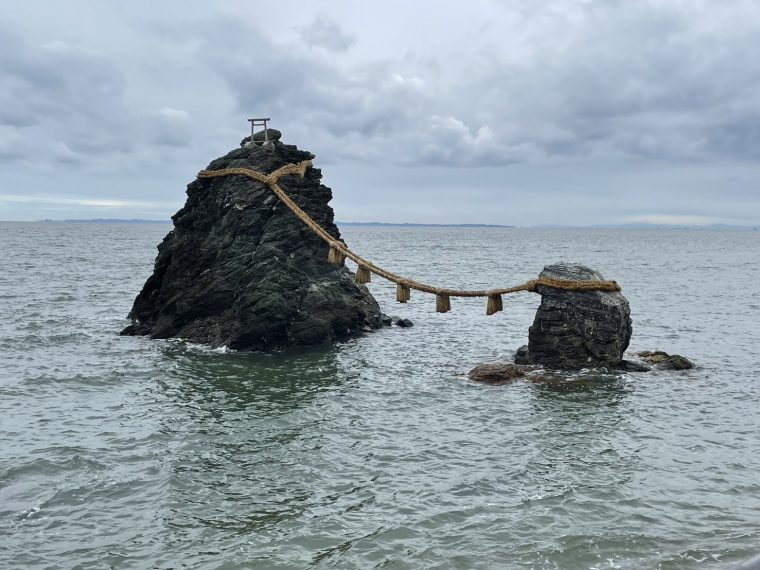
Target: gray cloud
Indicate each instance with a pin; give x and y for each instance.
(644, 79)
(65, 103)
(634, 79)
(505, 88)
(326, 34)
(60, 98)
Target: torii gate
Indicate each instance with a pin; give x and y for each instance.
(260, 123)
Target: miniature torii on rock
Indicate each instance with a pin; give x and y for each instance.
(260, 123)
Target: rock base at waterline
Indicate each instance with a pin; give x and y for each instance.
(499, 372)
(664, 361)
(577, 329)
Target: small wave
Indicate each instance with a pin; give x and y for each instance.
(50, 467)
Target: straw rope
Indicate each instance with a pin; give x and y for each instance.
(339, 251)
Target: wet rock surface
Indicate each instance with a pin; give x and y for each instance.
(664, 361)
(498, 372)
(577, 329)
(521, 356)
(633, 366)
(240, 270)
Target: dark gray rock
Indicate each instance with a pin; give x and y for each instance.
(505, 373)
(401, 322)
(676, 362)
(239, 269)
(496, 373)
(578, 329)
(664, 361)
(273, 135)
(521, 356)
(633, 366)
(653, 356)
(386, 320)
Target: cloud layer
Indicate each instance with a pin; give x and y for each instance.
(670, 88)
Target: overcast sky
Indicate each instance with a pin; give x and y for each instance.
(487, 111)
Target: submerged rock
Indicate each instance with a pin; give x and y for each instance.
(497, 372)
(676, 362)
(240, 269)
(521, 356)
(664, 361)
(633, 366)
(653, 357)
(577, 329)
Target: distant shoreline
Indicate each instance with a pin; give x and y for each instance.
(104, 221)
(362, 224)
(418, 225)
(712, 227)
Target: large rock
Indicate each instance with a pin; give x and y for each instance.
(577, 329)
(240, 270)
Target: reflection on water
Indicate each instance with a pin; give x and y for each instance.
(271, 384)
(242, 411)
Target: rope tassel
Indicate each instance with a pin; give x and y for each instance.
(442, 303)
(336, 257)
(339, 251)
(363, 274)
(494, 304)
(403, 293)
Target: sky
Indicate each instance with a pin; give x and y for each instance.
(571, 112)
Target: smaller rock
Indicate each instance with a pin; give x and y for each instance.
(664, 361)
(676, 362)
(653, 357)
(632, 366)
(386, 320)
(496, 373)
(272, 135)
(373, 321)
(404, 323)
(578, 329)
(521, 356)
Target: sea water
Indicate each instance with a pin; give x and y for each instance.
(123, 452)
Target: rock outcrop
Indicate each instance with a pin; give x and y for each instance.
(498, 372)
(240, 270)
(664, 361)
(577, 329)
(271, 135)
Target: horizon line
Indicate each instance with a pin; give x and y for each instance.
(624, 225)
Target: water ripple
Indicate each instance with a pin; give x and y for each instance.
(378, 452)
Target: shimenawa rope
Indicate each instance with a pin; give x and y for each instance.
(339, 252)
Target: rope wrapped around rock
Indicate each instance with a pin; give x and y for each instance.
(339, 252)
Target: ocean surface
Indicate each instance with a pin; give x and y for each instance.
(378, 452)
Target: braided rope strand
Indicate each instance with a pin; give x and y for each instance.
(300, 168)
